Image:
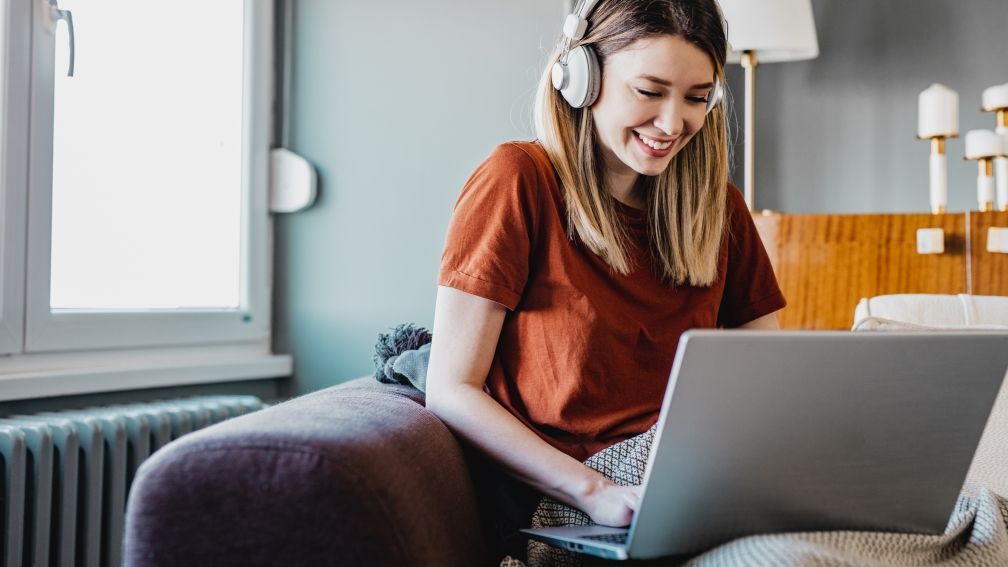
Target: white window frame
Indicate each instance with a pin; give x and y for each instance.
(14, 95)
(82, 351)
(49, 330)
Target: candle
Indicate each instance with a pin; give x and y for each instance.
(938, 112)
(995, 98)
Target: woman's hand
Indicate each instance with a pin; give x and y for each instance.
(610, 504)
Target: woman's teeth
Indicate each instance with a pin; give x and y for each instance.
(654, 143)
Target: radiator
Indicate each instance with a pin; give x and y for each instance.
(66, 475)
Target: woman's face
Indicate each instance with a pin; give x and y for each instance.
(653, 100)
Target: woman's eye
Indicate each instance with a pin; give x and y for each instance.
(647, 93)
(697, 99)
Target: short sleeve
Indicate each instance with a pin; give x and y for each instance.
(490, 236)
(751, 289)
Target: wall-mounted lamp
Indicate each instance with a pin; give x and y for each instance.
(765, 31)
(937, 120)
(995, 99)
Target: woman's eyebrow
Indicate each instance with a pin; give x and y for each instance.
(660, 81)
(654, 79)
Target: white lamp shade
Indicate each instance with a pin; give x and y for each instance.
(777, 30)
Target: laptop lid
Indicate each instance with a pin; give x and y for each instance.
(764, 432)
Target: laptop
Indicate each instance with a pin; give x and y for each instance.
(770, 432)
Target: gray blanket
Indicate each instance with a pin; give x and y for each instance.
(977, 532)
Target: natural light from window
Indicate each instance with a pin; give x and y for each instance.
(147, 157)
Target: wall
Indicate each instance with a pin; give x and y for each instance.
(397, 101)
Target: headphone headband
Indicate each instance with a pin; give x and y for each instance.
(576, 24)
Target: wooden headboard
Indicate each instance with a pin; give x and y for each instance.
(826, 263)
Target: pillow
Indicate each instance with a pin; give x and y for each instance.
(882, 324)
(924, 312)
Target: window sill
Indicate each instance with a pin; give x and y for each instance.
(47, 375)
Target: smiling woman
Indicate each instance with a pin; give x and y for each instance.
(573, 263)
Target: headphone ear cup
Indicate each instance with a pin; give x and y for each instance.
(716, 95)
(583, 77)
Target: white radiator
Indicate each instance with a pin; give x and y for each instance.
(66, 474)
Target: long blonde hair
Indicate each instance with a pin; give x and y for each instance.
(686, 202)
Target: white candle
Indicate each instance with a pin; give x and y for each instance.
(939, 183)
(995, 98)
(983, 144)
(1001, 172)
(938, 112)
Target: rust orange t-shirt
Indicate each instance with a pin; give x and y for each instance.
(584, 353)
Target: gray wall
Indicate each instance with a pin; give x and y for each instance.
(838, 133)
(397, 101)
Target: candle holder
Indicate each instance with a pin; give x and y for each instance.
(938, 120)
(983, 146)
(995, 99)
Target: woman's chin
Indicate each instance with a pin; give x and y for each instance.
(652, 168)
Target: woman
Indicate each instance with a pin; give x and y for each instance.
(573, 263)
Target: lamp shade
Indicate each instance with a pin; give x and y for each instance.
(777, 30)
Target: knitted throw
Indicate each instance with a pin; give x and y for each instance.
(977, 532)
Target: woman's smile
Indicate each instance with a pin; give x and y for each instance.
(653, 147)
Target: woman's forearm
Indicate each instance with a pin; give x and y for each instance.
(476, 417)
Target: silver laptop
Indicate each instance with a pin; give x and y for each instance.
(764, 432)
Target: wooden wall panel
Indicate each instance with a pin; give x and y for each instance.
(826, 263)
(989, 270)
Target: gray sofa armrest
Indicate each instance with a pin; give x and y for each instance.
(357, 474)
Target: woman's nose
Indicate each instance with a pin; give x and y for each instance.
(672, 118)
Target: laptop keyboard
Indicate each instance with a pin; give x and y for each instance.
(607, 538)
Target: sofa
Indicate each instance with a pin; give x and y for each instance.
(359, 474)
(362, 474)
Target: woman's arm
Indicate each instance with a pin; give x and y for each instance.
(764, 323)
(466, 330)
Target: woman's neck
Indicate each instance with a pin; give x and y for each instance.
(623, 187)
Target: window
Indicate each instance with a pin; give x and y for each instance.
(135, 192)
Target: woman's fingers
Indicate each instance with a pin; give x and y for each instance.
(632, 498)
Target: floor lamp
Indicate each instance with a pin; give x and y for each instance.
(765, 31)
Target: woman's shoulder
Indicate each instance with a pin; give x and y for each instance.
(735, 201)
(736, 209)
(519, 168)
(517, 172)
(521, 156)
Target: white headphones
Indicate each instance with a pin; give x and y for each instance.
(578, 75)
